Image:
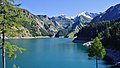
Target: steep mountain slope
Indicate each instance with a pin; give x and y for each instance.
(111, 14)
(78, 22)
(107, 18)
(42, 25)
(38, 25)
(85, 17)
(108, 31)
(62, 21)
(106, 26)
(48, 24)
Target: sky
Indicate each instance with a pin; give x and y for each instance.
(67, 7)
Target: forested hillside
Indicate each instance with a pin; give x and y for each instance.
(108, 31)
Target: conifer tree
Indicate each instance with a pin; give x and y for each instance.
(96, 50)
(10, 16)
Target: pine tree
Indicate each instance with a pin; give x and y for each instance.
(96, 50)
(10, 16)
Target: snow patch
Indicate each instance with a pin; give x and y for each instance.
(72, 17)
(84, 14)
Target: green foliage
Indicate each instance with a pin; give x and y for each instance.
(96, 49)
(44, 32)
(84, 19)
(14, 66)
(32, 24)
(62, 32)
(107, 31)
(11, 49)
(10, 17)
(92, 30)
(72, 34)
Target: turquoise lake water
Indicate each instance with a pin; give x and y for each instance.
(52, 53)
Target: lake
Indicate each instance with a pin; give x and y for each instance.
(52, 53)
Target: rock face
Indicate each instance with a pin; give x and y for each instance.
(39, 25)
(76, 24)
(42, 25)
(62, 21)
(111, 14)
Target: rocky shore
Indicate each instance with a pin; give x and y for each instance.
(78, 41)
(113, 57)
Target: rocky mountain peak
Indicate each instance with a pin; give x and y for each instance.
(88, 14)
(111, 13)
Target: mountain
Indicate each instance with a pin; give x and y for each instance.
(110, 14)
(106, 26)
(48, 24)
(62, 21)
(42, 25)
(58, 26)
(85, 17)
(105, 19)
(75, 24)
(38, 25)
(108, 31)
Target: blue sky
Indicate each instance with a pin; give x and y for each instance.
(67, 7)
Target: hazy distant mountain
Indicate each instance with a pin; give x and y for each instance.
(110, 14)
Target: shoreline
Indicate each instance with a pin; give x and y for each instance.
(79, 41)
(112, 56)
(85, 43)
(27, 37)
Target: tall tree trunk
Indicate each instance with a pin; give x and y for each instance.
(3, 49)
(96, 62)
